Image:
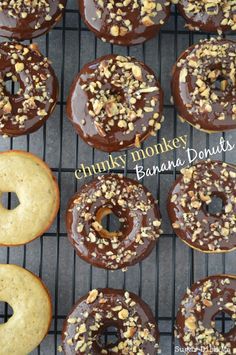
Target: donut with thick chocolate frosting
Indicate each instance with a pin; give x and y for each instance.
(189, 198)
(196, 318)
(101, 309)
(27, 19)
(209, 16)
(204, 85)
(136, 210)
(27, 110)
(115, 103)
(127, 22)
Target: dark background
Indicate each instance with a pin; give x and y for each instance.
(161, 280)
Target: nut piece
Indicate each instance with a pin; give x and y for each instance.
(97, 226)
(204, 198)
(130, 332)
(190, 323)
(123, 314)
(231, 307)
(137, 72)
(114, 31)
(147, 21)
(92, 296)
(207, 303)
(7, 108)
(228, 208)
(19, 67)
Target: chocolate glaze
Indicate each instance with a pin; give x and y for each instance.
(107, 305)
(22, 21)
(199, 19)
(28, 109)
(205, 300)
(204, 112)
(99, 20)
(130, 202)
(188, 199)
(95, 129)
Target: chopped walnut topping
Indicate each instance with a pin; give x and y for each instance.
(136, 332)
(191, 198)
(35, 93)
(221, 10)
(190, 323)
(122, 96)
(23, 8)
(92, 296)
(195, 324)
(131, 203)
(148, 13)
(210, 66)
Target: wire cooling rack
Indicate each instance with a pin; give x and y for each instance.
(161, 279)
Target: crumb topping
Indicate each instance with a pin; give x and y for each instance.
(213, 8)
(119, 14)
(120, 92)
(33, 73)
(135, 209)
(210, 68)
(196, 319)
(136, 332)
(25, 8)
(192, 195)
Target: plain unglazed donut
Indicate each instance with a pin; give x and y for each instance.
(32, 310)
(30, 178)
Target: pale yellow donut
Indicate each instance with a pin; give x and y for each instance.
(31, 179)
(32, 310)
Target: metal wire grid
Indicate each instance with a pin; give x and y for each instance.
(160, 280)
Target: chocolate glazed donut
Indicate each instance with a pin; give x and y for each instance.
(189, 197)
(102, 309)
(127, 22)
(208, 16)
(195, 323)
(115, 103)
(137, 212)
(28, 109)
(23, 19)
(204, 85)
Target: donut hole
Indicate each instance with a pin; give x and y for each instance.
(12, 86)
(111, 223)
(224, 324)
(109, 336)
(10, 200)
(6, 312)
(216, 206)
(107, 223)
(220, 82)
